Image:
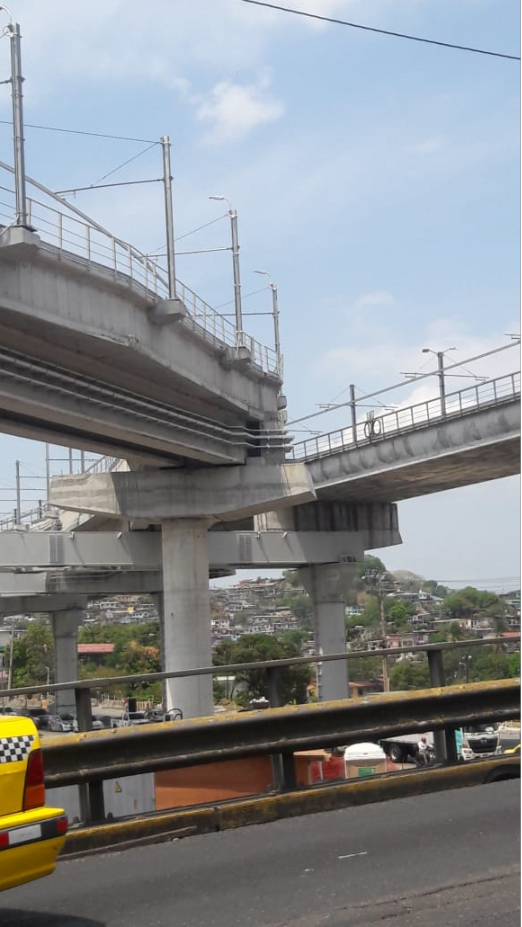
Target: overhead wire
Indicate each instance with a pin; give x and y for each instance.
(389, 32)
(118, 138)
(124, 164)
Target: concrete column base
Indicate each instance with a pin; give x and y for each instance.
(327, 585)
(65, 630)
(186, 614)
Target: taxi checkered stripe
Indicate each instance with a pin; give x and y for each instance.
(15, 749)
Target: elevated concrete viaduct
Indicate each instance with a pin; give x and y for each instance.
(89, 358)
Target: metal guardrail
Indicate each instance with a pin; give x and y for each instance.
(76, 236)
(401, 421)
(95, 756)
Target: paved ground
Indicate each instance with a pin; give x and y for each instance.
(437, 860)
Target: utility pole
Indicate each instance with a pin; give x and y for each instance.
(47, 470)
(237, 279)
(376, 582)
(169, 215)
(18, 495)
(275, 314)
(442, 385)
(354, 413)
(13, 30)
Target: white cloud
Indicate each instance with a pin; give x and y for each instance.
(372, 300)
(233, 110)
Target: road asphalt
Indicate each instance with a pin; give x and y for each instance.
(438, 860)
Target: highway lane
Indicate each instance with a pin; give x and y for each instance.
(434, 860)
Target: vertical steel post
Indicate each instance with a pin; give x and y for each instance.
(18, 124)
(354, 413)
(237, 280)
(442, 386)
(18, 495)
(169, 215)
(47, 471)
(445, 744)
(283, 767)
(92, 807)
(275, 313)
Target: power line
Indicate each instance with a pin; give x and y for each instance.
(394, 386)
(397, 35)
(118, 138)
(124, 164)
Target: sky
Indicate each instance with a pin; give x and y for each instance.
(376, 180)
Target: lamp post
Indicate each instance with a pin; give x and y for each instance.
(235, 264)
(440, 361)
(13, 31)
(275, 312)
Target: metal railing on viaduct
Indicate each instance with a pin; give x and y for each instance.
(490, 394)
(63, 227)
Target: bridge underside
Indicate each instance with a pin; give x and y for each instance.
(474, 448)
(463, 468)
(84, 363)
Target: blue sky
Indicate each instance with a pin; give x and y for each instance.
(376, 179)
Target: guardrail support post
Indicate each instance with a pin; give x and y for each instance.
(278, 760)
(445, 744)
(92, 806)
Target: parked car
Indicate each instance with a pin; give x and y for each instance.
(129, 718)
(40, 717)
(97, 724)
(61, 724)
(32, 834)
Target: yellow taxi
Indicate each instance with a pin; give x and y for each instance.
(31, 834)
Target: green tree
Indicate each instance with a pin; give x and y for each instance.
(33, 652)
(409, 674)
(258, 648)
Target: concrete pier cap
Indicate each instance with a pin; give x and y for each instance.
(216, 493)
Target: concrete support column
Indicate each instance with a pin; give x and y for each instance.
(65, 630)
(327, 585)
(186, 614)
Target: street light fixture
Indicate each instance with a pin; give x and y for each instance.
(275, 312)
(442, 388)
(235, 263)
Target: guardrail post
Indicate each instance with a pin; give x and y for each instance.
(92, 806)
(445, 744)
(282, 763)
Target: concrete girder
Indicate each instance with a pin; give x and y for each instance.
(218, 494)
(31, 604)
(141, 551)
(66, 584)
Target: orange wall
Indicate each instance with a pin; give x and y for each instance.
(178, 788)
